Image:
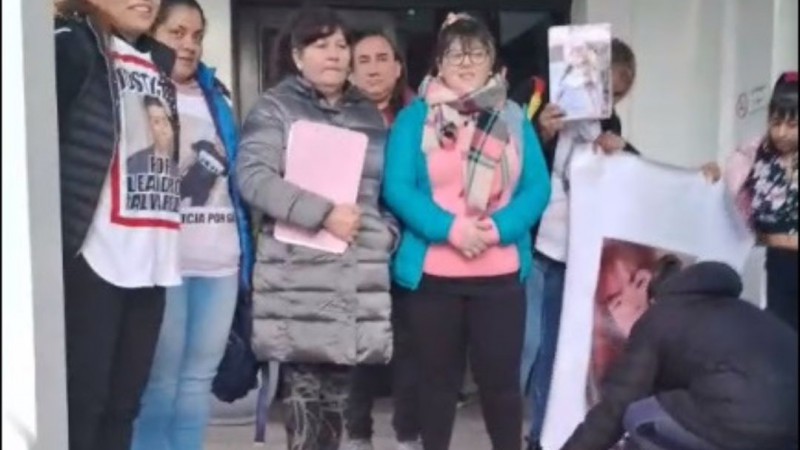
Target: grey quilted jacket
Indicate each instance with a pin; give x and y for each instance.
(311, 306)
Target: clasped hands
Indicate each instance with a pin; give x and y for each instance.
(473, 236)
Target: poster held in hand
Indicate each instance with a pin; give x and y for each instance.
(580, 70)
(629, 217)
(327, 161)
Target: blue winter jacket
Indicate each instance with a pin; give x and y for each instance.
(218, 99)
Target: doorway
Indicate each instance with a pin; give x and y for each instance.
(519, 27)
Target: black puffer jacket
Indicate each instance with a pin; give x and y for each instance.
(88, 119)
(721, 367)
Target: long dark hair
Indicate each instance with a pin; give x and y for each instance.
(398, 98)
(783, 103)
(307, 26)
(782, 107)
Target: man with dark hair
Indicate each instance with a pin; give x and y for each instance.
(701, 370)
(163, 138)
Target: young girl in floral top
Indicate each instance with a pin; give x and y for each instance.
(763, 177)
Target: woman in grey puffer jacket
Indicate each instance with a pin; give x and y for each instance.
(318, 312)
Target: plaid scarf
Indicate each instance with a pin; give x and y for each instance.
(447, 114)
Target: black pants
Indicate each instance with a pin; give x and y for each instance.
(111, 336)
(485, 316)
(781, 268)
(370, 381)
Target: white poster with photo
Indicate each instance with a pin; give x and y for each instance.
(580, 70)
(628, 217)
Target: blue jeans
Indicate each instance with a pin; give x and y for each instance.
(177, 401)
(544, 292)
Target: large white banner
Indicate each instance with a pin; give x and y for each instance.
(627, 216)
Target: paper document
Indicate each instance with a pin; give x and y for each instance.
(328, 161)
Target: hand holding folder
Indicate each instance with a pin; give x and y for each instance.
(327, 161)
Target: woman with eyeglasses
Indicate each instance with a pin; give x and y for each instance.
(466, 177)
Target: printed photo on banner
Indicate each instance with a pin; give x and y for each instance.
(629, 220)
(580, 70)
(622, 295)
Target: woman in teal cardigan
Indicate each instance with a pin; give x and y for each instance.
(466, 177)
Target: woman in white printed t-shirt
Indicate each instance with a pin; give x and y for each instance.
(118, 136)
(215, 250)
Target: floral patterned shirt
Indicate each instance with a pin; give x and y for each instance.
(773, 190)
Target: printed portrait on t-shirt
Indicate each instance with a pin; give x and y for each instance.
(209, 235)
(204, 175)
(145, 183)
(203, 166)
(162, 149)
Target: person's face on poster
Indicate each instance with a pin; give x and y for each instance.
(161, 128)
(622, 289)
(580, 58)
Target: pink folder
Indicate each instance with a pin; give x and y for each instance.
(328, 161)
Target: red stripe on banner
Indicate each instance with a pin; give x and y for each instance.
(116, 216)
(134, 60)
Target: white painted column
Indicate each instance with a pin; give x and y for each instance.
(218, 44)
(34, 375)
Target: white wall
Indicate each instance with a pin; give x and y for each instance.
(218, 44)
(785, 47)
(34, 375)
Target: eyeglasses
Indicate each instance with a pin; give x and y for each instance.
(458, 58)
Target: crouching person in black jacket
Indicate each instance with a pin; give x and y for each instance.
(701, 370)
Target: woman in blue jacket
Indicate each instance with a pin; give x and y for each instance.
(466, 177)
(215, 247)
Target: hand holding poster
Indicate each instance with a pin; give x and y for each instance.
(628, 219)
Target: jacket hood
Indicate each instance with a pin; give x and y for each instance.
(705, 279)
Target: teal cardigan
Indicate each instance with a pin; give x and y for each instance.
(408, 195)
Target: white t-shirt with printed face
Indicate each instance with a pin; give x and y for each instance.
(133, 239)
(209, 236)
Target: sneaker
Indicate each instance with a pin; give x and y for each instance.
(409, 445)
(358, 444)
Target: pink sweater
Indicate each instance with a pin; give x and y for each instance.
(446, 172)
(737, 169)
